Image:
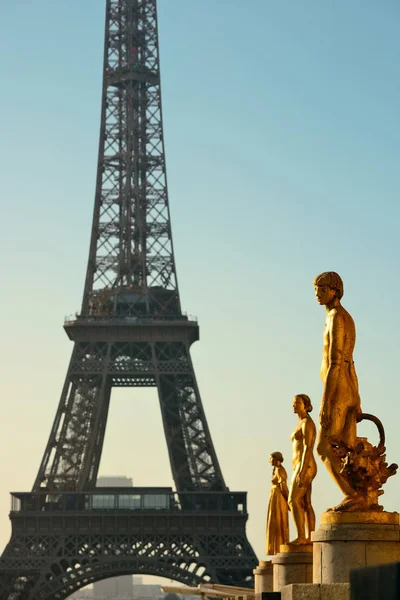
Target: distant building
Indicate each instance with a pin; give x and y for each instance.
(125, 587)
(114, 481)
(117, 588)
(85, 594)
(147, 592)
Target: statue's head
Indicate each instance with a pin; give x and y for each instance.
(301, 403)
(328, 286)
(275, 458)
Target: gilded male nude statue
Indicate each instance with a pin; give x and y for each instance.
(340, 405)
(359, 468)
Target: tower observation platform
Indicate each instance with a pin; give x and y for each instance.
(130, 331)
(190, 537)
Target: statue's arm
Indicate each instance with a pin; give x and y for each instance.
(335, 358)
(282, 477)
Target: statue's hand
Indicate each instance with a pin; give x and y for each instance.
(299, 480)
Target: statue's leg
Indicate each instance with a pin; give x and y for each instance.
(310, 514)
(330, 459)
(350, 428)
(296, 503)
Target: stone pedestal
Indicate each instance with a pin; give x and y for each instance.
(293, 564)
(333, 591)
(347, 540)
(262, 578)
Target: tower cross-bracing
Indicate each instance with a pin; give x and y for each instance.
(130, 332)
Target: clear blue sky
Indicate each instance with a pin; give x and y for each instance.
(282, 137)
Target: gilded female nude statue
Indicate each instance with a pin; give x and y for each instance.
(277, 518)
(304, 470)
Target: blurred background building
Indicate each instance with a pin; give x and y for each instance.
(127, 587)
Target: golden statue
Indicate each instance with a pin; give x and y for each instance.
(358, 468)
(277, 518)
(304, 470)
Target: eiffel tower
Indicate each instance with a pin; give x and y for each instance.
(131, 331)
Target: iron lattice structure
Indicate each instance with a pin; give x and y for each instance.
(130, 332)
(62, 542)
